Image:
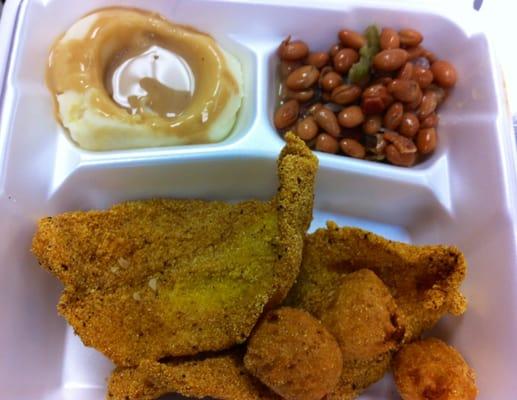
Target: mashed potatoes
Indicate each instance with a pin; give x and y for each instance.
(124, 78)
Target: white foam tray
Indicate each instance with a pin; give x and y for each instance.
(465, 194)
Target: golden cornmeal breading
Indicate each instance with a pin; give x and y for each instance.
(364, 317)
(220, 376)
(432, 370)
(358, 375)
(423, 280)
(368, 326)
(159, 278)
(293, 354)
(329, 255)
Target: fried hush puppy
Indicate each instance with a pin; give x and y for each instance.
(432, 370)
(364, 317)
(293, 354)
(368, 327)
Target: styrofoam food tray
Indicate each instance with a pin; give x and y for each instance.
(464, 194)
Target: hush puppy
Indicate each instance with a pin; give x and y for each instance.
(364, 317)
(294, 355)
(432, 370)
(368, 327)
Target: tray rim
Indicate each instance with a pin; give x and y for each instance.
(509, 157)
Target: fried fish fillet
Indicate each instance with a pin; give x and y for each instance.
(161, 278)
(219, 376)
(423, 280)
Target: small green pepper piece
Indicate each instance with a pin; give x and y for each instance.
(373, 38)
(361, 69)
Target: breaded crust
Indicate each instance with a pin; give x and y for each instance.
(219, 376)
(431, 369)
(424, 281)
(293, 354)
(368, 327)
(329, 255)
(160, 278)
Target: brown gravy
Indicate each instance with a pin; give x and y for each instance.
(154, 79)
(144, 70)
